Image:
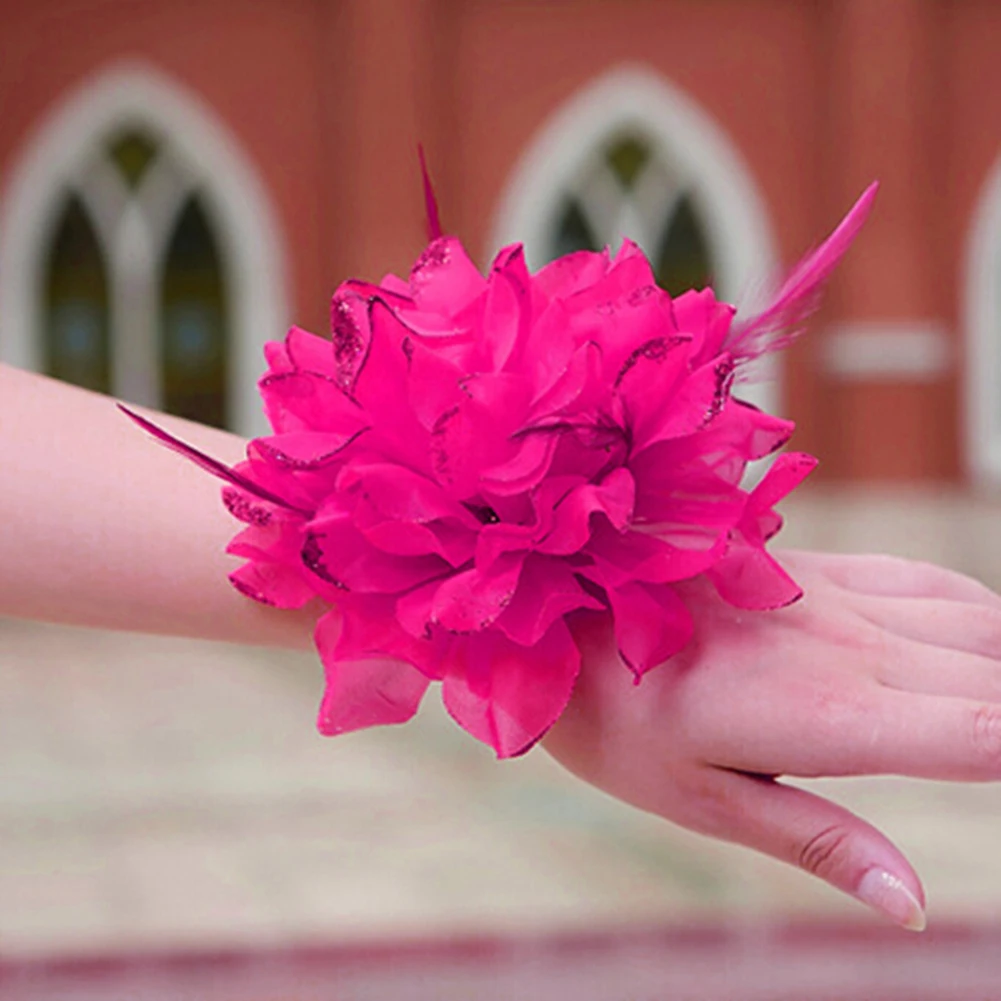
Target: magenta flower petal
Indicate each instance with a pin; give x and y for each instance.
(525, 469)
(614, 497)
(366, 693)
(747, 577)
(572, 273)
(363, 692)
(303, 450)
(700, 314)
(340, 554)
(471, 601)
(272, 584)
(308, 401)
(368, 631)
(444, 280)
(506, 308)
(648, 558)
(508, 695)
(401, 494)
(435, 385)
(652, 624)
(787, 472)
(547, 590)
(450, 541)
(309, 353)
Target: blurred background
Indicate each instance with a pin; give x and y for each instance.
(180, 180)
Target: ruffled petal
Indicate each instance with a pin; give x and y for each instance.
(365, 693)
(508, 695)
(309, 353)
(472, 600)
(547, 590)
(571, 273)
(613, 497)
(272, 584)
(786, 473)
(308, 401)
(635, 556)
(747, 577)
(652, 624)
(341, 555)
(367, 630)
(304, 450)
(361, 689)
(507, 308)
(401, 494)
(700, 314)
(444, 280)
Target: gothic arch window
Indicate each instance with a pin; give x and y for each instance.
(139, 255)
(76, 344)
(983, 328)
(626, 190)
(630, 155)
(193, 331)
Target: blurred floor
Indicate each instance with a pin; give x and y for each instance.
(167, 794)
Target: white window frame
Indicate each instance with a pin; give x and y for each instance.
(982, 307)
(635, 99)
(66, 153)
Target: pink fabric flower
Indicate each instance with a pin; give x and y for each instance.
(470, 459)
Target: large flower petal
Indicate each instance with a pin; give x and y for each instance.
(367, 630)
(369, 690)
(337, 552)
(471, 601)
(444, 280)
(274, 584)
(652, 624)
(308, 401)
(547, 590)
(747, 577)
(508, 695)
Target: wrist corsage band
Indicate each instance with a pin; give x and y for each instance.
(470, 459)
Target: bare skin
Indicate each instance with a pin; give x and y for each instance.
(886, 667)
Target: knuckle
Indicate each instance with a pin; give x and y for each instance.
(986, 731)
(822, 853)
(984, 625)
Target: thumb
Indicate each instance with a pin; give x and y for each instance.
(818, 837)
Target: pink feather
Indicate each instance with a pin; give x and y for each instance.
(799, 296)
(430, 202)
(206, 462)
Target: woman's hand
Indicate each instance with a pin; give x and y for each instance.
(885, 667)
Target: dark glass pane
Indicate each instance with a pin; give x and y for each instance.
(193, 343)
(682, 261)
(76, 334)
(133, 152)
(572, 232)
(627, 158)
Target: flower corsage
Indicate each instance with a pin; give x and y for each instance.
(469, 460)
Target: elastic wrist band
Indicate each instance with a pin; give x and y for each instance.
(470, 460)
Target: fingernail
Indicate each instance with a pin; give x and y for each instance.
(885, 893)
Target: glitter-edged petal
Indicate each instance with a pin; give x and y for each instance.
(508, 695)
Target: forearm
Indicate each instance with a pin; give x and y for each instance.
(100, 526)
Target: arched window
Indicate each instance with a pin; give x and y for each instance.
(76, 303)
(630, 155)
(139, 255)
(193, 336)
(626, 190)
(167, 283)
